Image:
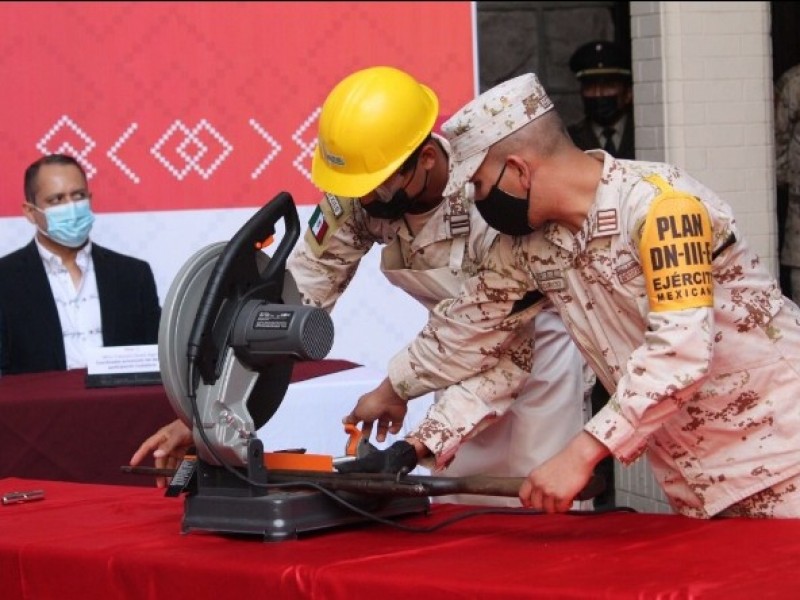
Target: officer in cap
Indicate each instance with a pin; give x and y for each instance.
(604, 71)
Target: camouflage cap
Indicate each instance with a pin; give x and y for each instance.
(487, 119)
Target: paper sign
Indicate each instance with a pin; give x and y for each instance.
(123, 359)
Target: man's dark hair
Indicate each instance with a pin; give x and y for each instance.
(32, 172)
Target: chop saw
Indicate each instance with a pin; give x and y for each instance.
(232, 327)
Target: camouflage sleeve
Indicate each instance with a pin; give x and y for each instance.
(468, 407)
(675, 246)
(644, 399)
(324, 262)
(467, 335)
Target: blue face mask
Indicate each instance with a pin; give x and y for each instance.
(69, 223)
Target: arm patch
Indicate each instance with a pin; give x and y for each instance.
(676, 248)
(325, 220)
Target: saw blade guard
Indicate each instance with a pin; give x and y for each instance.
(232, 326)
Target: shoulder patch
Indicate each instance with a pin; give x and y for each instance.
(335, 205)
(607, 221)
(675, 250)
(326, 219)
(317, 225)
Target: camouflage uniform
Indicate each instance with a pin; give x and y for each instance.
(787, 148)
(483, 370)
(709, 392)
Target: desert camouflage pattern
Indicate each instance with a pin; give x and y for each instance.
(709, 393)
(497, 113)
(482, 356)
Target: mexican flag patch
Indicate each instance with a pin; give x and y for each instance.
(318, 225)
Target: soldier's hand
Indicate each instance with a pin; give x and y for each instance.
(552, 486)
(382, 405)
(168, 445)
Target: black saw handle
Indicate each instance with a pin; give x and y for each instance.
(236, 276)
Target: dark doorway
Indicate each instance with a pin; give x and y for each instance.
(785, 18)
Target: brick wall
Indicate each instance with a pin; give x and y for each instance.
(703, 101)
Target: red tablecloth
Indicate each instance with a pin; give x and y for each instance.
(108, 542)
(53, 427)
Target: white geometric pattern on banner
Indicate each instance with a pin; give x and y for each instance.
(192, 161)
(307, 147)
(276, 148)
(66, 146)
(191, 137)
(112, 154)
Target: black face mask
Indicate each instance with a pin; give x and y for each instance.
(603, 110)
(506, 213)
(395, 208)
(399, 204)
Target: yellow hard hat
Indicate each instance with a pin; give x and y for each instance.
(370, 124)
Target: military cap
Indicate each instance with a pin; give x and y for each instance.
(601, 59)
(495, 114)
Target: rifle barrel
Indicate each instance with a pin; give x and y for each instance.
(403, 485)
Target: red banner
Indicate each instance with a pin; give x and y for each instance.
(194, 105)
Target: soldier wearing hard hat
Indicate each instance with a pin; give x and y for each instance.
(510, 384)
(511, 387)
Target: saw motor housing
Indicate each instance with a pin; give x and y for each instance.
(232, 326)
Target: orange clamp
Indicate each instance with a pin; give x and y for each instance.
(351, 448)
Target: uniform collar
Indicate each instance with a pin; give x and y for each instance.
(603, 218)
(453, 210)
(619, 129)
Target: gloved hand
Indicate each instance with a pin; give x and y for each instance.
(400, 456)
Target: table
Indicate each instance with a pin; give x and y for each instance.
(114, 542)
(53, 427)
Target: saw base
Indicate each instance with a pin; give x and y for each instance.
(219, 501)
(282, 515)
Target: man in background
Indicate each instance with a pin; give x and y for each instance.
(604, 72)
(61, 294)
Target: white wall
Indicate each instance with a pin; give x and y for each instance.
(703, 89)
(703, 101)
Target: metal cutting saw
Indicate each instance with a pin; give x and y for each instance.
(232, 327)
